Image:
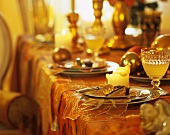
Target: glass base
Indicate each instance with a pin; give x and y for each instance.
(156, 82)
(161, 91)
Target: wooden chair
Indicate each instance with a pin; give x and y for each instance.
(5, 48)
(19, 114)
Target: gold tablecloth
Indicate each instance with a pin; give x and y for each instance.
(55, 94)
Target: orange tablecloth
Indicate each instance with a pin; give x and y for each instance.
(53, 91)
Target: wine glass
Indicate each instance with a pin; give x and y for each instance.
(155, 63)
(94, 39)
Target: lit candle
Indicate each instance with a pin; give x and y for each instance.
(63, 39)
(72, 5)
(119, 77)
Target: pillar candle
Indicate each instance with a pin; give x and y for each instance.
(63, 39)
(119, 77)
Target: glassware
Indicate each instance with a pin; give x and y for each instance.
(94, 39)
(155, 63)
(43, 16)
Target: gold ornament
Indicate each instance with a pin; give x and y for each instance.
(162, 41)
(132, 59)
(61, 54)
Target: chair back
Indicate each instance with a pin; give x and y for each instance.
(5, 48)
(37, 16)
(25, 7)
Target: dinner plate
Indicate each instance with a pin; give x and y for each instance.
(110, 67)
(153, 95)
(71, 64)
(139, 95)
(147, 79)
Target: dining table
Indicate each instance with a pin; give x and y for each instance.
(64, 111)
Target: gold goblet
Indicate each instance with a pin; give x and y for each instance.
(155, 63)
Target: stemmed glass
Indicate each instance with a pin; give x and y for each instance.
(94, 39)
(155, 63)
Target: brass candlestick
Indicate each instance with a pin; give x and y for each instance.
(98, 6)
(73, 18)
(119, 22)
(150, 25)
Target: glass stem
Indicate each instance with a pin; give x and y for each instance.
(95, 56)
(155, 84)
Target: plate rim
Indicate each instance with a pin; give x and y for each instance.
(108, 69)
(83, 68)
(140, 78)
(143, 100)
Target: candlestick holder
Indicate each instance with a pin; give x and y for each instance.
(150, 25)
(73, 18)
(119, 23)
(98, 6)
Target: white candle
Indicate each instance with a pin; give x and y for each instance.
(63, 39)
(72, 5)
(119, 77)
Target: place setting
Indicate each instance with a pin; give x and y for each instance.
(154, 62)
(83, 67)
(117, 90)
(94, 39)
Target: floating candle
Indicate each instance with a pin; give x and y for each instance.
(119, 77)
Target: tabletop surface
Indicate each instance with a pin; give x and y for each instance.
(61, 107)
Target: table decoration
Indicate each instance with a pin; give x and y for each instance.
(61, 54)
(98, 24)
(120, 21)
(119, 77)
(76, 46)
(155, 119)
(63, 39)
(73, 19)
(133, 60)
(161, 42)
(97, 6)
